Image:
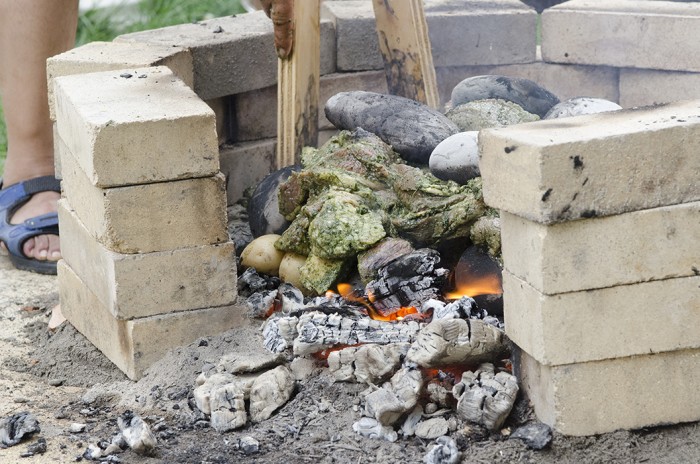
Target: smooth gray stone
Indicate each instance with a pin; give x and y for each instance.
(411, 128)
(581, 105)
(456, 158)
(535, 435)
(524, 92)
(263, 207)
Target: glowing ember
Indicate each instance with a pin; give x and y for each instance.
(346, 291)
(323, 355)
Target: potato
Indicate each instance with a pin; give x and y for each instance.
(262, 255)
(289, 271)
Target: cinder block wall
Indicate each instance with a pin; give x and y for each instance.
(633, 52)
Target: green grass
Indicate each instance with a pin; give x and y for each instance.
(104, 24)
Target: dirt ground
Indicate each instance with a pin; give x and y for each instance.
(62, 379)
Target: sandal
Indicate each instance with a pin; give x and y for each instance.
(14, 235)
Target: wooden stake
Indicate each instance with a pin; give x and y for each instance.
(297, 86)
(405, 47)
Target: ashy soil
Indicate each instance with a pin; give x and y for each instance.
(59, 377)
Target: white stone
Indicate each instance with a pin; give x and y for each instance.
(581, 105)
(456, 158)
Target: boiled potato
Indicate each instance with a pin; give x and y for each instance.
(289, 270)
(262, 255)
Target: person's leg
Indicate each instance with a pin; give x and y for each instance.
(30, 32)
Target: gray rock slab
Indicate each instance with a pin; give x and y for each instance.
(456, 158)
(411, 128)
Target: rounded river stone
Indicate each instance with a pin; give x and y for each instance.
(483, 114)
(524, 92)
(456, 158)
(581, 105)
(263, 208)
(412, 129)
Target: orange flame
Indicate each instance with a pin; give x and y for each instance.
(346, 291)
(484, 285)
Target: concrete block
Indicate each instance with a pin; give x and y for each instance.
(134, 345)
(624, 33)
(615, 322)
(149, 127)
(246, 164)
(651, 244)
(564, 81)
(141, 285)
(461, 33)
(150, 217)
(623, 393)
(222, 111)
(595, 165)
(641, 87)
(256, 111)
(109, 56)
(238, 59)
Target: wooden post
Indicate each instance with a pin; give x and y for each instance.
(405, 47)
(297, 85)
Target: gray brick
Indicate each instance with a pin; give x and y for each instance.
(592, 325)
(640, 87)
(596, 165)
(624, 33)
(246, 164)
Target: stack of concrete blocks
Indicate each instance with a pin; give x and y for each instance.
(147, 262)
(600, 224)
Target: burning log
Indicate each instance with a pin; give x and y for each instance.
(484, 397)
(410, 280)
(396, 397)
(456, 341)
(318, 331)
(388, 249)
(279, 333)
(367, 363)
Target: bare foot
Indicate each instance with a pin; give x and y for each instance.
(41, 247)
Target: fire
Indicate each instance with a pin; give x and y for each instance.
(485, 285)
(346, 291)
(476, 274)
(323, 354)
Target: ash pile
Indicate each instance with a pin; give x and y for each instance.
(378, 258)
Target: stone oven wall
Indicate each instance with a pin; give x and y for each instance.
(136, 295)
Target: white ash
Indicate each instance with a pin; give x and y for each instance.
(368, 363)
(137, 434)
(269, 392)
(235, 363)
(77, 428)
(202, 394)
(248, 445)
(250, 282)
(485, 397)
(445, 451)
(291, 298)
(227, 405)
(439, 395)
(432, 428)
(408, 427)
(445, 342)
(396, 397)
(371, 428)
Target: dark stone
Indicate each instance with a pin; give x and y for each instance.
(526, 93)
(411, 128)
(263, 207)
(535, 435)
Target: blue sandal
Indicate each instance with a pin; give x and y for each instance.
(14, 235)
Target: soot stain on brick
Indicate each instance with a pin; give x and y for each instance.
(585, 181)
(578, 162)
(696, 271)
(574, 197)
(546, 194)
(589, 213)
(510, 148)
